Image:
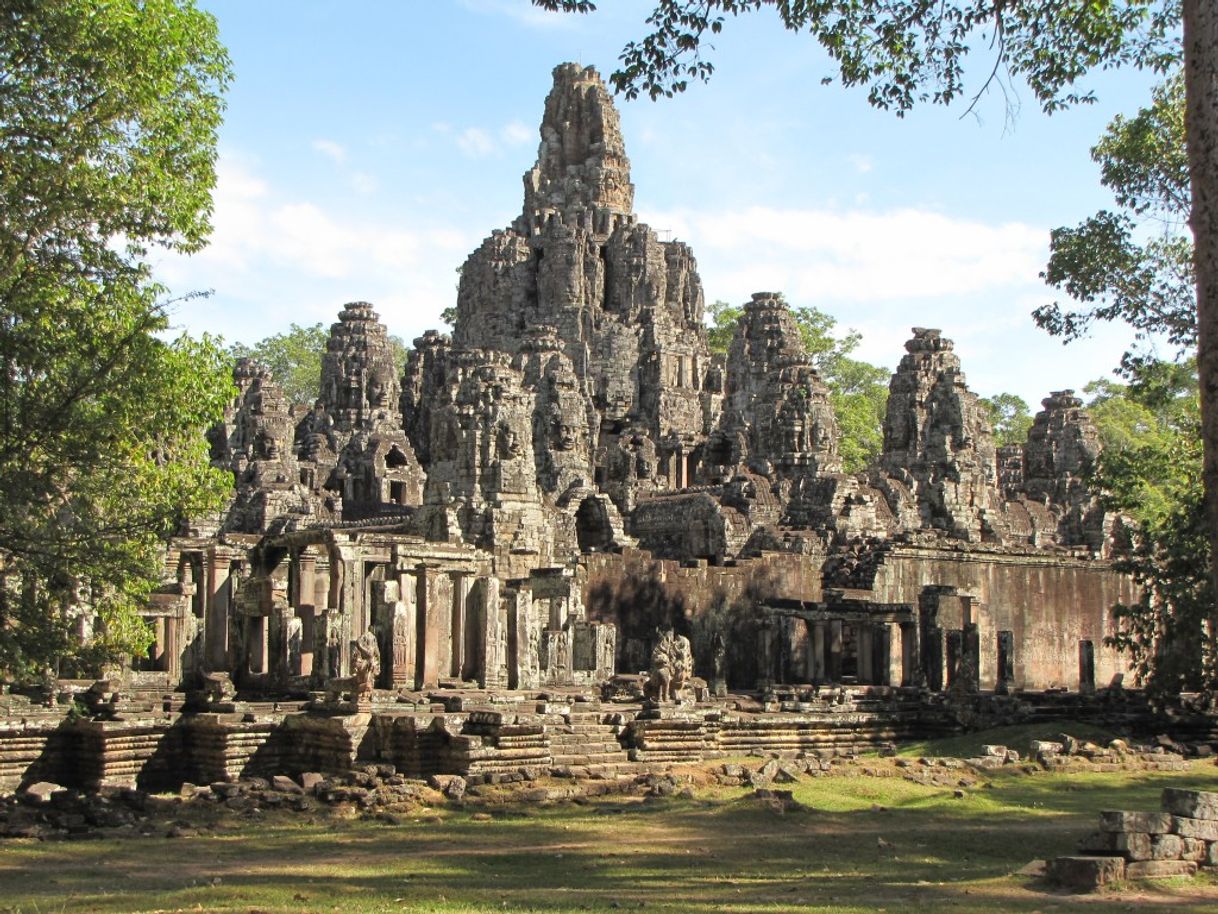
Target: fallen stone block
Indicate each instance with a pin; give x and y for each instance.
(1166, 847)
(1085, 874)
(1191, 804)
(1152, 823)
(1047, 747)
(1194, 849)
(1160, 869)
(285, 784)
(1130, 845)
(41, 792)
(1205, 829)
(310, 779)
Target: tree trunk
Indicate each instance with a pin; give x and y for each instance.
(1201, 131)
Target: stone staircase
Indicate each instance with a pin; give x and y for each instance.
(587, 739)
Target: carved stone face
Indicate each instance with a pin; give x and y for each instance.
(564, 436)
(378, 389)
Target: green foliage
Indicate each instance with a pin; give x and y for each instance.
(858, 390)
(108, 119)
(911, 51)
(1151, 470)
(1009, 417)
(294, 359)
(1103, 263)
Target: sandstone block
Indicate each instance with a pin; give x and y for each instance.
(1192, 804)
(1194, 849)
(310, 779)
(1160, 869)
(1086, 874)
(1166, 847)
(1130, 845)
(1204, 829)
(40, 792)
(285, 784)
(1152, 823)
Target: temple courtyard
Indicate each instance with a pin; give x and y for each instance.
(870, 834)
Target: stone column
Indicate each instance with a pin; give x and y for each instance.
(894, 646)
(1006, 662)
(911, 673)
(866, 653)
(971, 666)
(1086, 667)
(934, 658)
(816, 667)
(492, 666)
(833, 667)
(218, 604)
(460, 586)
(435, 621)
(524, 649)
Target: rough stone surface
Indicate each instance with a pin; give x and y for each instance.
(1152, 823)
(1190, 804)
(1160, 869)
(1085, 874)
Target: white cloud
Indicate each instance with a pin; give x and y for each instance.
(476, 143)
(855, 255)
(331, 150)
(363, 182)
(516, 133)
(861, 163)
(276, 258)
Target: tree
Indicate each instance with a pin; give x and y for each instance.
(294, 359)
(1150, 470)
(1103, 264)
(108, 119)
(858, 390)
(1009, 416)
(911, 51)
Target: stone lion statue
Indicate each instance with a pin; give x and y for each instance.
(672, 665)
(365, 667)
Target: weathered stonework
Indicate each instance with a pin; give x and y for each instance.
(534, 502)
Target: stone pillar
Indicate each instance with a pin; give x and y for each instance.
(816, 649)
(894, 646)
(492, 665)
(277, 642)
(833, 666)
(911, 674)
(218, 607)
(1006, 663)
(971, 663)
(460, 584)
(435, 596)
(955, 657)
(523, 641)
(866, 653)
(1086, 667)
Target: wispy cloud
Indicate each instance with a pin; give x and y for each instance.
(336, 152)
(857, 255)
(275, 258)
(476, 143)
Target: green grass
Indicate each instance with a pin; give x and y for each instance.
(721, 851)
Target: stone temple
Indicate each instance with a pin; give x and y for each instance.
(489, 547)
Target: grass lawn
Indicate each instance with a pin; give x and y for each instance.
(859, 844)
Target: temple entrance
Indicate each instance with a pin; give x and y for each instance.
(592, 528)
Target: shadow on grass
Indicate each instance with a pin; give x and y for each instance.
(726, 855)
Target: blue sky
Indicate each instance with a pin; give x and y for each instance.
(370, 145)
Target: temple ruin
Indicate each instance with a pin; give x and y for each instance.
(529, 507)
